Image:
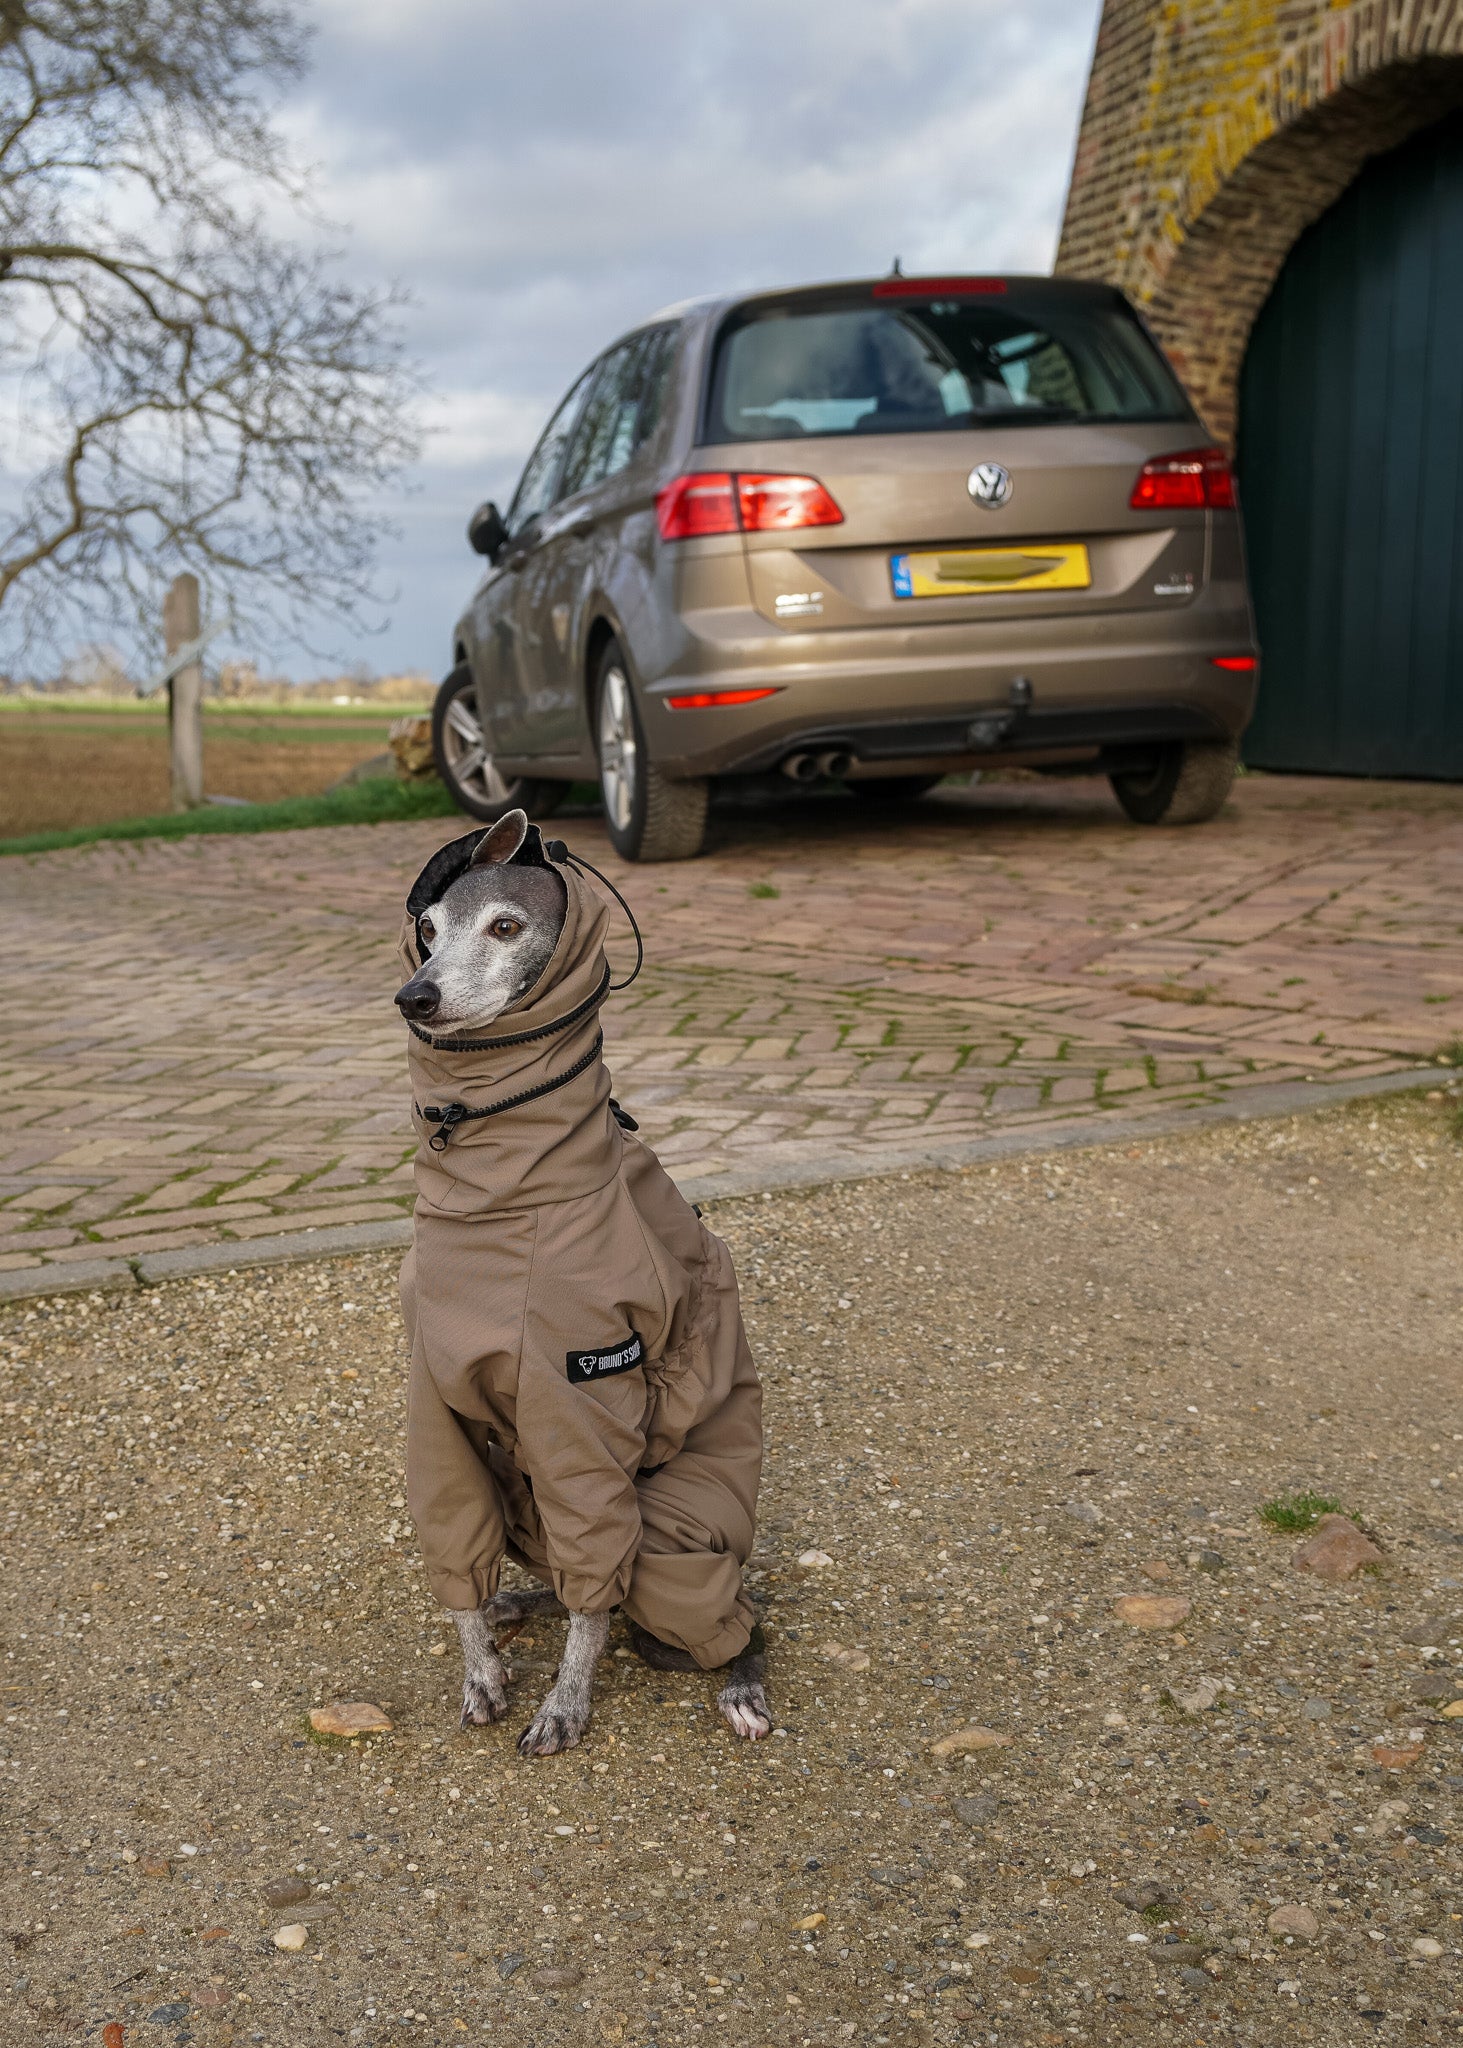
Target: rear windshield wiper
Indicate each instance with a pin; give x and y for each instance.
(1026, 415)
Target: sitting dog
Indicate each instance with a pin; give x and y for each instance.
(582, 1396)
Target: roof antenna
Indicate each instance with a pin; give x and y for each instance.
(895, 269)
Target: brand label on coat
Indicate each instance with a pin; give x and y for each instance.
(598, 1365)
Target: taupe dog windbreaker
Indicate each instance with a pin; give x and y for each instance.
(582, 1395)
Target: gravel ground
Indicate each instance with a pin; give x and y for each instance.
(997, 1401)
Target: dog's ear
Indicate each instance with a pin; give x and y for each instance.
(501, 841)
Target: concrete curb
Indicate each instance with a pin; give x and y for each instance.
(297, 1247)
(1283, 1098)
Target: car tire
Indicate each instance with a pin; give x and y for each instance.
(467, 768)
(1186, 785)
(897, 789)
(647, 816)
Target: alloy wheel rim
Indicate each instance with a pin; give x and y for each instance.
(619, 752)
(468, 759)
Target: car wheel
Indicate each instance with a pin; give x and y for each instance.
(648, 816)
(466, 766)
(1187, 783)
(896, 789)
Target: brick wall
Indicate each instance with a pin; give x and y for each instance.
(1215, 131)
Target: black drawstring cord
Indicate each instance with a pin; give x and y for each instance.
(557, 850)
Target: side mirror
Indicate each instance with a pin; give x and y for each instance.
(486, 532)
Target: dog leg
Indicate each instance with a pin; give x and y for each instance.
(509, 1610)
(658, 1655)
(742, 1699)
(564, 1715)
(484, 1681)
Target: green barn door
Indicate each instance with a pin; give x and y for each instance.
(1351, 478)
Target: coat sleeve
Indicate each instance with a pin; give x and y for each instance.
(588, 1445)
(451, 1495)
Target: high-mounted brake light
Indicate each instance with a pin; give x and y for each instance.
(1197, 480)
(714, 501)
(938, 287)
(1237, 664)
(705, 700)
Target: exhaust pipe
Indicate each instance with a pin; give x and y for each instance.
(800, 768)
(835, 764)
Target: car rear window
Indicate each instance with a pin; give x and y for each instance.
(915, 366)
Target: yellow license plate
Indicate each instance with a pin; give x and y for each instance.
(980, 572)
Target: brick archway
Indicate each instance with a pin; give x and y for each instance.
(1214, 135)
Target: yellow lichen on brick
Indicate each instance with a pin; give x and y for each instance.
(1215, 131)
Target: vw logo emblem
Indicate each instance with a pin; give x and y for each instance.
(989, 483)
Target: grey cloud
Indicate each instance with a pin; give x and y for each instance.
(543, 177)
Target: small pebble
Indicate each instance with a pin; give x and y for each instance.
(292, 1936)
(1152, 1610)
(288, 1891)
(964, 1741)
(1337, 1550)
(848, 1659)
(349, 1717)
(1299, 1922)
(557, 1977)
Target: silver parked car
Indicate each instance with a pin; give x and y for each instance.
(872, 532)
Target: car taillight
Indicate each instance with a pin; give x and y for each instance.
(1200, 479)
(694, 505)
(771, 504)
(1236, 664)
(713, 501)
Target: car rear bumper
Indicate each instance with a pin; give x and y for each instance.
(1008, 696)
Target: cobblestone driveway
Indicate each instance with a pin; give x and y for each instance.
(200, 1043)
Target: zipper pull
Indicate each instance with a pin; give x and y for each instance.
(448, 1117)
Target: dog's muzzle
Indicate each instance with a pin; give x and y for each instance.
(419, 1000)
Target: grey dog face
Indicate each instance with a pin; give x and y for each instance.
(489, 937)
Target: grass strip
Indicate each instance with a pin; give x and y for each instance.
(382, 800)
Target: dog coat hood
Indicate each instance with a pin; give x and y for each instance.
(582, 1395)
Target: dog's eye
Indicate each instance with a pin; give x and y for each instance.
(505, 928)
(428, 931)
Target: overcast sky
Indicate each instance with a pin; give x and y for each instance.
(542, 176)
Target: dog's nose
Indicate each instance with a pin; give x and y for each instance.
(419, 1000)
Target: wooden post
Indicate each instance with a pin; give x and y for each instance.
(185, 694)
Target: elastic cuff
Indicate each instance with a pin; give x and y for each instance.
(465, 1592)
(586, 1596)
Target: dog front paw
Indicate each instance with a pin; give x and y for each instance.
(745, 1707)
(483, 1701)
(557, 1725)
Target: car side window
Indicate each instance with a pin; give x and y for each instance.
(539, 485)
(622, 411)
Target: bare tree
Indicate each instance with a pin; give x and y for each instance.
(190, 389)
